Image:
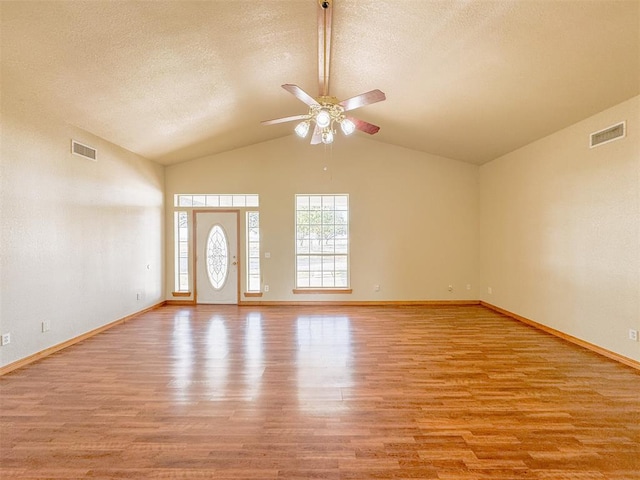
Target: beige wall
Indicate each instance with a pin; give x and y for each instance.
(77, 235)
(553, 228)
(414, 216)
(560, 232)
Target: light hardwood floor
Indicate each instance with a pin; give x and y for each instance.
(231, 392)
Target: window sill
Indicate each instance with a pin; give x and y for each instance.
(181, 294)
(302, 291)
(252, 294)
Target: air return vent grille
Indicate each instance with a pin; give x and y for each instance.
(609, 134)
(84, 151)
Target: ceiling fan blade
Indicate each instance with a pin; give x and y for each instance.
(285, 119)
(316, 138)
(365, 127)
(325, 14)
(300, 94)
(363, 99)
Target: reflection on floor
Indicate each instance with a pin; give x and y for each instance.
(231, 392)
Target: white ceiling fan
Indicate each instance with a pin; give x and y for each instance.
(325, 111)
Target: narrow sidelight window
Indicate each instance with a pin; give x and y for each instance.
(182, 252)
(253, 251)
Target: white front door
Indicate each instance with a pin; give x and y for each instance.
(216, 249)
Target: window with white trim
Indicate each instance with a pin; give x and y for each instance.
(182, 251)
(253, 251)
(216, 200)
(322, 241)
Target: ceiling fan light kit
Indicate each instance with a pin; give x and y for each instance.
(325, 112)
(326, 116)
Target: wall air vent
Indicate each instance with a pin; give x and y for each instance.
(609, 134)
(84, 151)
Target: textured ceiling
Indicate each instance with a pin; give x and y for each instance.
(469, 80)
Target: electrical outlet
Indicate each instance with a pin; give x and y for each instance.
(450, 288)
(266, 288)
(6, 339)
(376, 288)
(489, 290)
(633, 334)
(468, 286)
(138, 296)
(46, 325)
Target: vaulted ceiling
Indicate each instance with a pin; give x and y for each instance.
(469, 80)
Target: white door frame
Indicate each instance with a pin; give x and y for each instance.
(195, 249)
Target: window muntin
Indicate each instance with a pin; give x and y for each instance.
(216, 200)
(253, 251)
(182, 251)
(322, 241)
(217, 255)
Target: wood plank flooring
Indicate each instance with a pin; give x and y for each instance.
(227, 392)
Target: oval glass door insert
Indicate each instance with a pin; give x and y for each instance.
(217, 257)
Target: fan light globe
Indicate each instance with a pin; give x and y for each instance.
(323, 119)
(302, 129)
(347, 126)
(327, 137)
